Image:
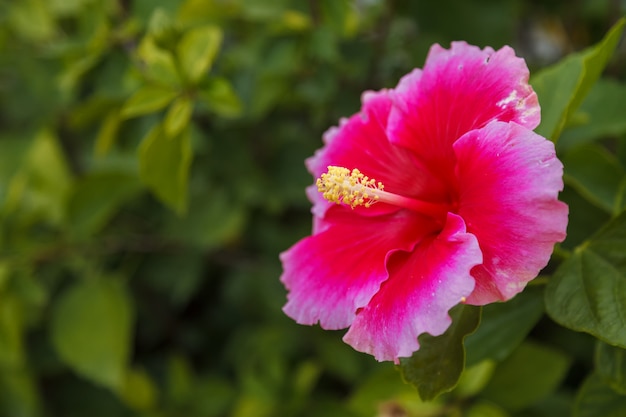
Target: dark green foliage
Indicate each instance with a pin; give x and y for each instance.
(152, 169)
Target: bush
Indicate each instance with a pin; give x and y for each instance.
(151, 170)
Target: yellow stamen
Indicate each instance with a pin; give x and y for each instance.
(340, 185)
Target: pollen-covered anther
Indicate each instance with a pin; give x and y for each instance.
(341, 186)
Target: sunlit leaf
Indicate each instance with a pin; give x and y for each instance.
(437, 366)
(562, 87)
(31, 19)
(43, 182)
(197, 50)
(160, 66)
(107, 135)
(588, 291)
(178, 116)
(161, 26)
(92, 330)
(148, 99)
(164, 164)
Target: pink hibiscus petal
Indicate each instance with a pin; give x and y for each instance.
(509, 180)
(333, 273)
(422, 287)
(361, 142)
(459, 90)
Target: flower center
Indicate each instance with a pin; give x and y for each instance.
(341, 186)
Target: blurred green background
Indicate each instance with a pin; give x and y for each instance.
(151, 171)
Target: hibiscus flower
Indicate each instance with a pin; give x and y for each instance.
(436, 193)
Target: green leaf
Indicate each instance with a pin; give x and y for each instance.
(197, 50)
(562, 87)
(596, 399)
(611, 366)
(160, 66)
(595, 173)
(335, 13)
(212, 396)
(531, 373)
(161, 27)
(219, 96)
(96, 197)
(601, 115)
(268, 10)
(43, 182)
(138, 390)
(32, 20)
(437, 366)
(108, 132)
(92, 330)
(19, 394)
(383, 386)
(474, 379)
(211, 221)
(178, 116)
(186, 266)
(164, 165)
(11, 327)
(485, 409)
(180, 380)
(5, 273)
(585, 219)
(503, 326)
(588, 291)
(148, 99)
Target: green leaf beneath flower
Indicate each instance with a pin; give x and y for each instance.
(611, 366)
(596, 399)
(562, 87)
(600, 115)
(437, 366)
(588, 291)
(503, 326)
(531, 373)
(596, 174)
